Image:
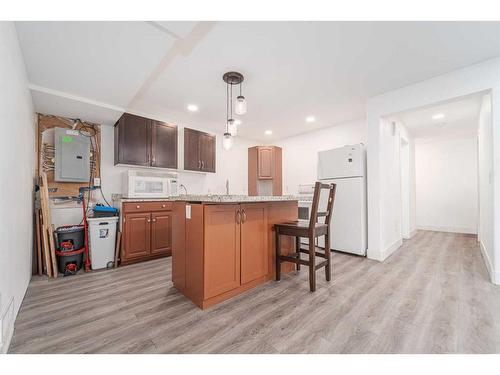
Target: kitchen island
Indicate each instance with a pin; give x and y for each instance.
(223, 245)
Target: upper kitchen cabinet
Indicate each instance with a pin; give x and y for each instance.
(265, 170)
(145, 142)
(199, 151)
(163, 145)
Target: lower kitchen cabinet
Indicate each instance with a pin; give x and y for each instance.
(146, 231)
(161, 232)
(221, 250)
(254, 250)
(137, 234)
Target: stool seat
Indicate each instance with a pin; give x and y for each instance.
(301, 227)
(311, 230)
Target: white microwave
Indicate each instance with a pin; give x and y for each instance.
(145, 184)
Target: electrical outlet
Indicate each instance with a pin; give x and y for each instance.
(97, 181)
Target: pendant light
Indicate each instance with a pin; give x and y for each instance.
(227, 141)
(241, 104)
(232, 78)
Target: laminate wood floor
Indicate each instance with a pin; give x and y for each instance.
(432, 296)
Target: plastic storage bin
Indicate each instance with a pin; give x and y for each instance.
(102, 236)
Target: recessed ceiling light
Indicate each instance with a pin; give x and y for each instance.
(438, 116)
(192, 108)
(310, 119)
(268, 132)
(237, 122)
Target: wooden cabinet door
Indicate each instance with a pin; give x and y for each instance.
(192, 160)
(161, 232)
(199, 151)
(254, 242)
(163, 145)
(137, 233)
(222, 249)
(207, 152)
(132, 134)
(265, 163)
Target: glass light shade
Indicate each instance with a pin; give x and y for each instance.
(227, 141)
(232, 128)
(241, 105)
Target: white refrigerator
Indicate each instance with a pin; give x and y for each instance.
(346, 167)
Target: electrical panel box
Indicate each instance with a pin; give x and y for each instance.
(72, 162)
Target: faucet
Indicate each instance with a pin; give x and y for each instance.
(227, 187)
(185, 189)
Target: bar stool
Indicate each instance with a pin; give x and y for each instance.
(311, 230)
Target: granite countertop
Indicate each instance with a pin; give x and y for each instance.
(235, 198)
(216, 198)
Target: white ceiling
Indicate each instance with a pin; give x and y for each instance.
(461, 119)
(292, 69)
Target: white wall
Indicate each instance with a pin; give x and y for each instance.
(300, 152)
(473, 79)
(409, 200)
(17, 172)
(485, 177)
(446, 185)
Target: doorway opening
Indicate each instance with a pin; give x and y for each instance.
(445, 157)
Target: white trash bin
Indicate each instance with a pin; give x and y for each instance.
(102, 236)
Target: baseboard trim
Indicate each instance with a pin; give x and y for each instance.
(412, 234)
(384, 254)
(6, 344)
(494, 276)
(448, 229)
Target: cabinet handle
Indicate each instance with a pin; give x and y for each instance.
(244, 216)
(149, 221)
(238, 217)
(199, 164)
(137, 206)
(154, 220)
(163, 206)
(202, 164)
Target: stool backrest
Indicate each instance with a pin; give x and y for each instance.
(315, 204)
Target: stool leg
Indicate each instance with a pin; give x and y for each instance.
(297, 250)
(312, 264)
(278, 261)
(328, 253)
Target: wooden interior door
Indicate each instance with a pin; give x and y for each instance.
(161, 232)
(254, 242)
(222, 249)
(133, 137)
(207, 152)
(163, 145)
(192, 160)
(137, 235)
(265, 163)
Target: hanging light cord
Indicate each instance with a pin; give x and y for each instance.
(231, 106)
(227, 107)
